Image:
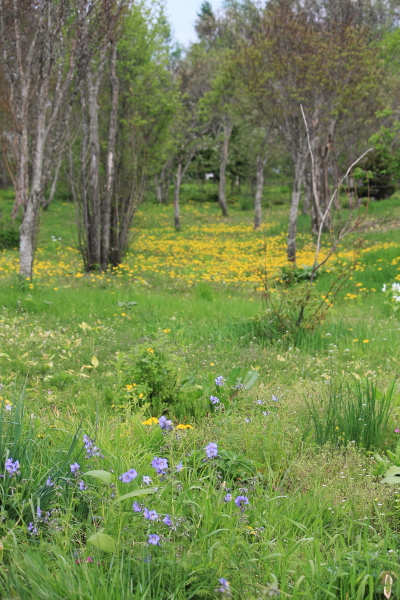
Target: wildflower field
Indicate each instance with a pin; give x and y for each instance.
(158, 442)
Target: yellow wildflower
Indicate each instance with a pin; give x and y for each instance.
(151, 421)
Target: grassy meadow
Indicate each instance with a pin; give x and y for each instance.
(119, 476)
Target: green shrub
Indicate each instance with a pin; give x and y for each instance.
(9, 234)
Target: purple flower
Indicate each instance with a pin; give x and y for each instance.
(151, 515)
(8, 407)
(220, 381)
(33, 530)
(239, 386)
(147, 479)
(274, 398)
(91, 449)
(224, 586)
(241, 501)
(228, 498)
(12, 467)
(179, 467)
(164, 423)
(211, 450)
(74, 467)
(214, 400)
(38, 512)
(266, 413)
(128, 476)
(49, 482)
(247, 420)
(167, 521)
(82, 486)
(136, 507)
(259, 402)
(154, 539)
(160, 465)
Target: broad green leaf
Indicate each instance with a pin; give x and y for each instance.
(103, 542)
(250, 379)
(103, 475)
(136, 493)
(392, 476)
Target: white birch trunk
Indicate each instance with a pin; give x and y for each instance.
(224, 155)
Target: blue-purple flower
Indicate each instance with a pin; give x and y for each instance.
(91, 449)
(179, 467)
(82, 486)
(154, 539)
(136, 507)
(220, 381)
(74, 467)
(160, 465)
(167, 521)
(228, 498)
(12, 467)
(151, 515)
(164, 423)
(146, 479)
(241, 501)
(211, 450)
(33, 530)
(128, 476)
(224, 587)
(274, 398)
(49, 482)
(214, 400)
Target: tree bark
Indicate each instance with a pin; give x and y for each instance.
(112, 134)
(177, 187)
(262, 158)
(224, 155)
(300, 165)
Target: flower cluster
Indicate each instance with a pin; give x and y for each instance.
(128, 476)
(12, 467)
(91, 449)
(211, 450)
(160, 465)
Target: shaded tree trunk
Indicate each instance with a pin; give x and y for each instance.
(299, 169)
(262, 158)
(177, 187)
(224, 155)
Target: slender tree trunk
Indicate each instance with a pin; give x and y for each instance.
(224, 154)
(307, 194)
(177, 187)
(112, 135)
(300, 165)
(47, 202)
(262, 158)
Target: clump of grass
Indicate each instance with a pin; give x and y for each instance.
(357, 413)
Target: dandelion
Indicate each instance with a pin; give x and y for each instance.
(74, 467)
(146, 479)
(154, 539)
(160, 465)
(151, 421)
(241, 501)
(214, 400)
(211, 450)
(220, 381)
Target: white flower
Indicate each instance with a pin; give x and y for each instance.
(384, 287)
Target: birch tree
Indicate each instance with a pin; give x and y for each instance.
(43, 59)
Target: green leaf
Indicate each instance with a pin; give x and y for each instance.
(392, 475)
(136, 493)
(250, 379)
(102, 541)
(103, 475)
